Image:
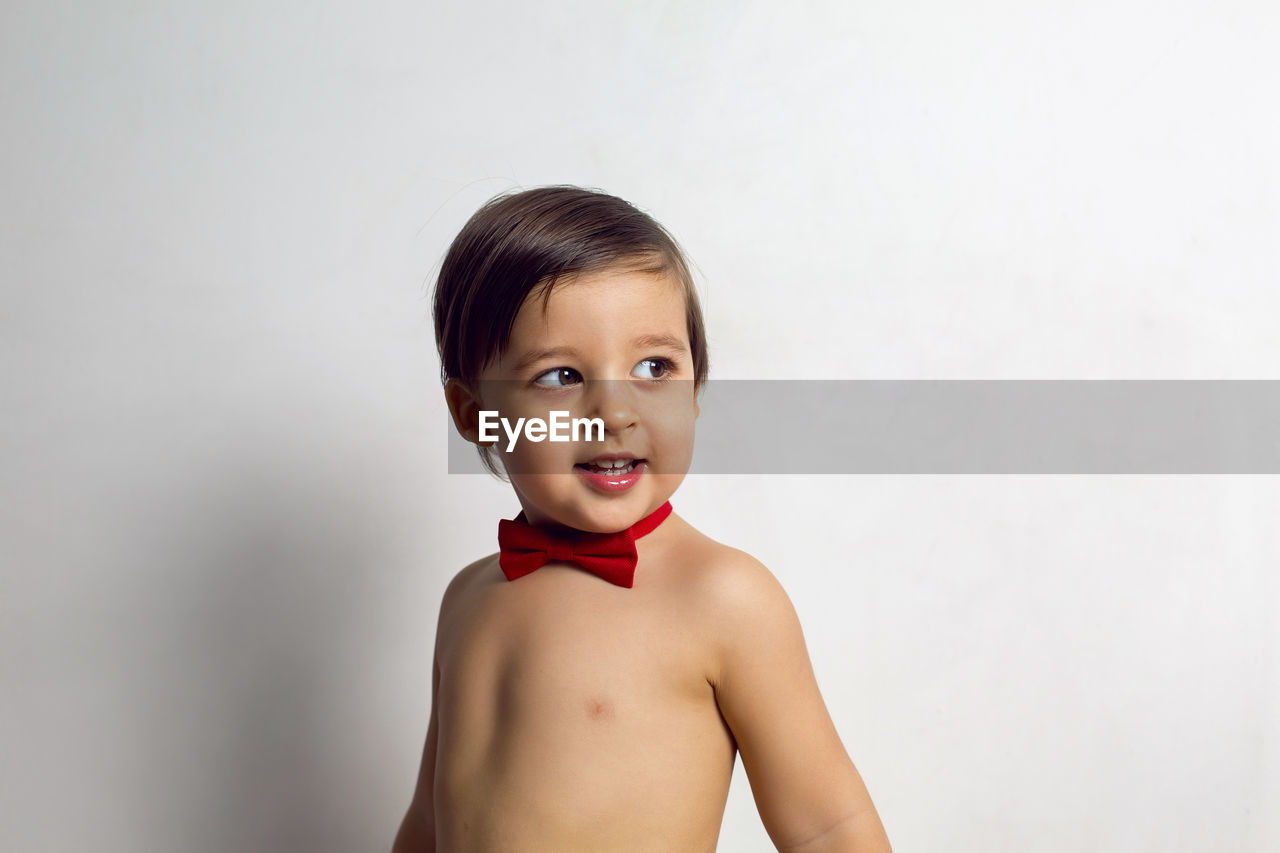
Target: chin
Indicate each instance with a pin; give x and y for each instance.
(618, 514)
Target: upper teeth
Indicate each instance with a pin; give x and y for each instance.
(612, 463)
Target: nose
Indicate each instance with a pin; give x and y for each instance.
(613, 401)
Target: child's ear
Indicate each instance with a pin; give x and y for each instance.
(697, 390)
(464, 407)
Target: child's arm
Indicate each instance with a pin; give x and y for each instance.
(809, 794)
(418, 831)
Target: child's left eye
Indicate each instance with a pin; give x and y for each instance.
(656, 368)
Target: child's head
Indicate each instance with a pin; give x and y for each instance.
(523, 246)
(521, 242)
(519, 258)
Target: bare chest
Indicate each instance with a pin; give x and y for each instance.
(578, 710)
(562, 645)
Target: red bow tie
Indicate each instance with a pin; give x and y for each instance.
(611, 556)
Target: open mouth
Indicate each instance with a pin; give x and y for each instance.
(616, 467)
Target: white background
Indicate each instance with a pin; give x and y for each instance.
(226, 518)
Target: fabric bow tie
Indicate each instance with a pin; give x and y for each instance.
(611, 556)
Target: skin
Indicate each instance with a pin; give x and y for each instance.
(571, 714)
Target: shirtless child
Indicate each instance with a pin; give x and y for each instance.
(584, 704)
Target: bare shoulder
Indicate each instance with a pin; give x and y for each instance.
(740, 600)
(462, 591)
(470, 576)
(729, 580)
(733, 579)
(717, 567)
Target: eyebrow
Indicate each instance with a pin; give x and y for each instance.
(662, 341)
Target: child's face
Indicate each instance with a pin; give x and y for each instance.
(612, 345)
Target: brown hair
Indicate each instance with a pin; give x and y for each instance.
(519, 242)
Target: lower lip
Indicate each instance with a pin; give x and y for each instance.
(611, 482)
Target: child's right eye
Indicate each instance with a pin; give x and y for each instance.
(560, 377)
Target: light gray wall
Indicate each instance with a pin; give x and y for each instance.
(226, 517)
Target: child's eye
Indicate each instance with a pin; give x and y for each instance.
(654, 368)
(559, 377)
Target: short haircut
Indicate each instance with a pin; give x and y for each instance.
(520, 242)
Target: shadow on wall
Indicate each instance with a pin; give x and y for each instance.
(252, 699)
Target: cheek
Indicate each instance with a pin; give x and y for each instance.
(531, 458)
(672, 437)
(527, 457)
(539, 457)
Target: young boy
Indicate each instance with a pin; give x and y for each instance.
(594, 680)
